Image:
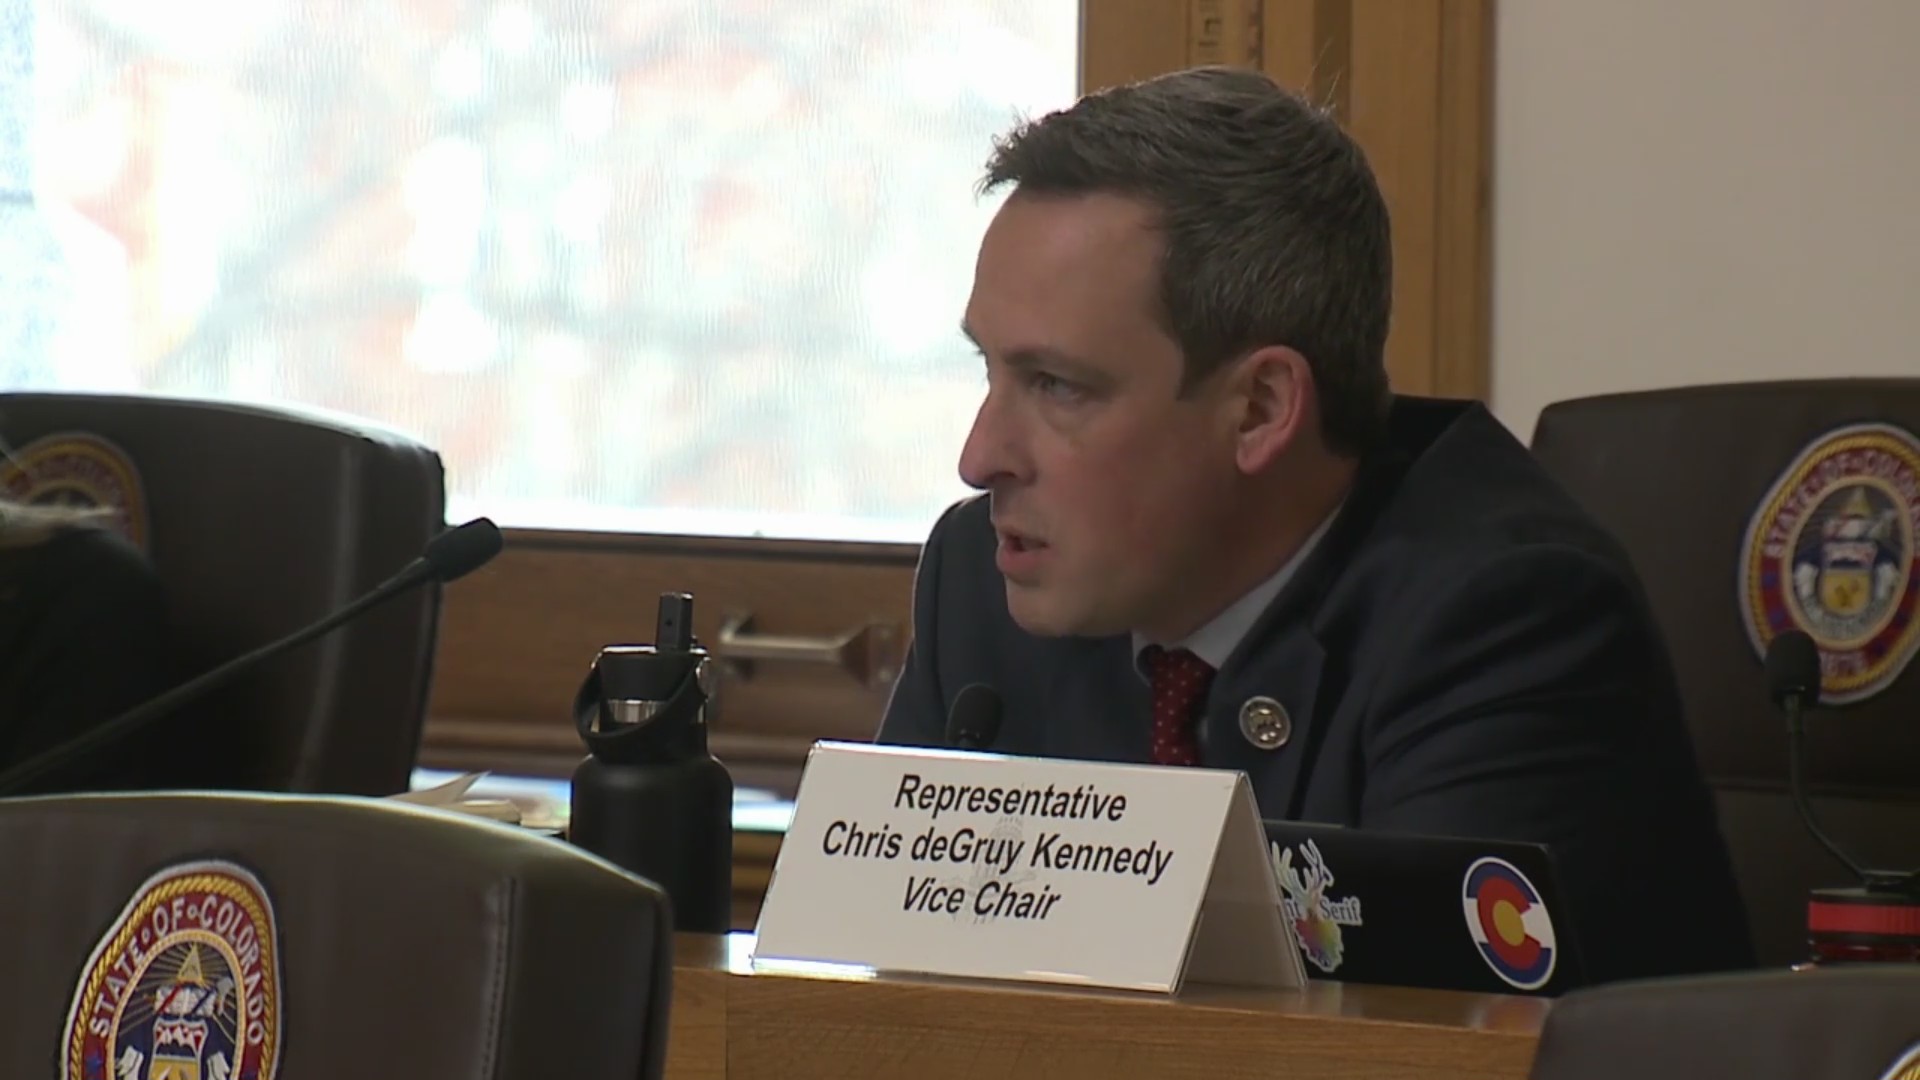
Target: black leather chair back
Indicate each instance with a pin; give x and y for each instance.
(259, 521)
(320, 936)
(1843, 1024)
(1748, 509)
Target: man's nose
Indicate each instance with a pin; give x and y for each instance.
(990, 455)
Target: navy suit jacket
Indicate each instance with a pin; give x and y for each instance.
(1465, 653)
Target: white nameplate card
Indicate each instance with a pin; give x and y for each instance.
(987, 866)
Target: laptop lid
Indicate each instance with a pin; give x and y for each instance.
(1430, 911)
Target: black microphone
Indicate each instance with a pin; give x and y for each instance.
(450, 555)
(455, 553)
(1793, 681)
(974, 722)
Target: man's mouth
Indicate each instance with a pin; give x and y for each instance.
(1020, 556)
(1020, 542)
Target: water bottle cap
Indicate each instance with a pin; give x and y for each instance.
(623, 712)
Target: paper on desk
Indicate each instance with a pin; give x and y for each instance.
(452, 795)
(440, 794)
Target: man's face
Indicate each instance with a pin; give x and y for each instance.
(1108, 489)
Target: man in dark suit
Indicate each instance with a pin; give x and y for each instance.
(1212, 535)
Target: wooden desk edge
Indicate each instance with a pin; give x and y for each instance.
(722, 1007)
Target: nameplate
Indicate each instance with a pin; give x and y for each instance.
(1025, 869)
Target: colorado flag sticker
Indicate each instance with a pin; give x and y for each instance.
(1509, 923)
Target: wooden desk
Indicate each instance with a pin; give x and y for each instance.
(731, 1023)
(728, 1022)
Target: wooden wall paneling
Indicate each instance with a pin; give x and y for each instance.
(1224, 32)
(1412, 79)
(1307, 45)
(1463, 344)
(1123, 41)
(1393, 112)
(518, 637)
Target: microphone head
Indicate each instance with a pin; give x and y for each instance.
(975, 720)
(462, 550)
(1793, 669)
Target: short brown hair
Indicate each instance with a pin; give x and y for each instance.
(1276, 231)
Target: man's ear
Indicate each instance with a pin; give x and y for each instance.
(1274, 393)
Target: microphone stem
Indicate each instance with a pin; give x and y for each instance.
(26, 772)
(1796, 783)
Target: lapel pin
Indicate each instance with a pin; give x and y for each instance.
(1265, 723)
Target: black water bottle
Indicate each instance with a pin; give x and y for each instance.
(650, 798)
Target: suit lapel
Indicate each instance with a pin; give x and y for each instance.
(1273, 695)
(1282, 659)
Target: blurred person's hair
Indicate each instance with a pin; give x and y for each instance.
(24, 524)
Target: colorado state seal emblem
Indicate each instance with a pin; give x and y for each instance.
(1832, 551)
(1906, 1066)
(185, 985)
(79, 470)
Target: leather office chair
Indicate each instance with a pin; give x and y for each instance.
(1833, 1024)
(1678, 475)
(259, 521)
(341, 936)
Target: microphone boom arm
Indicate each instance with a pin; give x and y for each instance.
(26, 772)
(1796, 783)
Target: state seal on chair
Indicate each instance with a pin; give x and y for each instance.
(185, 985)
(1906, 1066)
(81, 470)
(1834, 550)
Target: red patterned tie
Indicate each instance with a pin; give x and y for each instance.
(1180, 681)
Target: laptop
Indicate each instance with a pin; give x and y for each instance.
(1430, 911)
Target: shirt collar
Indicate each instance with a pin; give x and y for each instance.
(1216, 640)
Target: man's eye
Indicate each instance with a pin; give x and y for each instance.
(1055, 387)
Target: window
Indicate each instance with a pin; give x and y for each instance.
(681, 266)
(672, 285)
